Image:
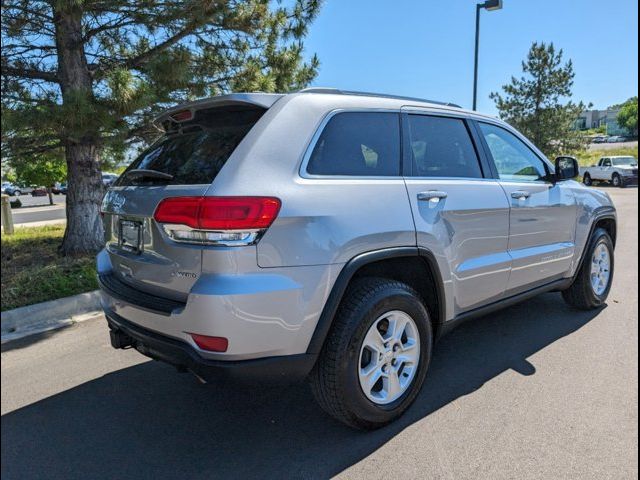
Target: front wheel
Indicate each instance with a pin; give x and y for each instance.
(591, 286)
(617, 181)
(375, 359)
(587, 180)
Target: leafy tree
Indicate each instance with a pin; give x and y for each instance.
(538, 103)
(628, 116)
(45, 171)
(86, 76)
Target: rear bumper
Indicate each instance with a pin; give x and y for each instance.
(265, 313)
(286, 368)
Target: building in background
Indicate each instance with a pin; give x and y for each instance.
(601, 118)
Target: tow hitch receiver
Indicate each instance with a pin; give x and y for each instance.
(119, 339)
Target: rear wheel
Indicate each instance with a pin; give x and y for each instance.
(375, 359)
(593, 282)
(587, 180)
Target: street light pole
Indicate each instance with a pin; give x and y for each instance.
(489, 5)
(475, 63)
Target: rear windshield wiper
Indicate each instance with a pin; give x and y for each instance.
(143, 172)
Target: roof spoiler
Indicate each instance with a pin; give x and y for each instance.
(264, 100)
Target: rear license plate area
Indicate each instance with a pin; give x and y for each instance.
(130, 236)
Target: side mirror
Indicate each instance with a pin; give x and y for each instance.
(567, 168)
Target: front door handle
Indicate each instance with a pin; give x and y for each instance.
(520, 195)
(432, 195)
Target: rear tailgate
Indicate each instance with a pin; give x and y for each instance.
(190, 156)
(158, 265)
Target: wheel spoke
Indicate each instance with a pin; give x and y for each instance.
(392, 384)
(397, 324)
(406, 359)
(410, 346)
(371, 378)
(374, 341)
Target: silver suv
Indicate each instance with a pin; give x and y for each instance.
(336, 235)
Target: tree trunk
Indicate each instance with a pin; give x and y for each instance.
(50, 194)
(84, 232)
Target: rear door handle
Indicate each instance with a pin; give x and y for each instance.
(520, 195)
(432, 195)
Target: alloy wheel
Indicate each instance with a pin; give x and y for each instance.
(600, 269)
(389, 357)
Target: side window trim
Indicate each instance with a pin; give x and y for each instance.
(406, 145)
(486, 148)
(306, 157)
(407, 160)
(488, 166)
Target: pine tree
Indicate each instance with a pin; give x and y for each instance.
(84, 77)
(538, 103)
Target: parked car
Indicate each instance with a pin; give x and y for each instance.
(599, 139)
(109, 178)
(619, 170)
(39, 192)
(17, 190)
(337, 235)
(63, 188)
(615, 139)
(57, 188)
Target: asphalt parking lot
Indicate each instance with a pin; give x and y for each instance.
(37, 209)
(535, 391)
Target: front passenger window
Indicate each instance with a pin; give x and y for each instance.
(514, 160)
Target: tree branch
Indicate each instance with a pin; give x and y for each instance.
(31, 73)
(144, 57)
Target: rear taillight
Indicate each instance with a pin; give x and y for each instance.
(217, 220)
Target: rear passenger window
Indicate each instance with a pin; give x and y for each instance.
(442, 147)
(358, 144)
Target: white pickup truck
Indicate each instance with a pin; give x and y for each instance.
(620, 171)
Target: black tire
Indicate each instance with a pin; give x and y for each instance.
(617, 181)
(581, 294)
(17, 193)
(587, 180)
(334, 380)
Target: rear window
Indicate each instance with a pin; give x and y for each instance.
(194, 152)
(358, 144)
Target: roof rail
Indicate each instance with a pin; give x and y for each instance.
(336, 91)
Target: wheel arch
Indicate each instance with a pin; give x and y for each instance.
(608, 222)
(386, 263)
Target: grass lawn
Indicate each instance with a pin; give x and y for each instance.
(33, 271)
(591, 157)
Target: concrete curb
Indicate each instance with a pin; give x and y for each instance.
(42, 223)
(41, 317)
